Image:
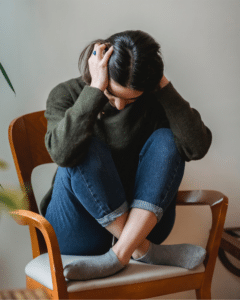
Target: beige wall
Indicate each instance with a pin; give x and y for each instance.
(40, 42)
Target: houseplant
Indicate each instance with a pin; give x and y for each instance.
(10, 198)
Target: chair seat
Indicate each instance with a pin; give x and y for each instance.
(135, 272)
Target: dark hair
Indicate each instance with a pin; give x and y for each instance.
(135, 63)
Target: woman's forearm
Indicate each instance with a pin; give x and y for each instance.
(70, 125)
(192, 136)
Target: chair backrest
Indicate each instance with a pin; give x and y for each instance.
(26, 138)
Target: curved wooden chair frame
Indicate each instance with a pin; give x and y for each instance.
(26, 137)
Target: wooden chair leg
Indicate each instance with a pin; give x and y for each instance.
(203, 293)
(33, 285)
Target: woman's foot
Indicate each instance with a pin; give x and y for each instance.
(92, 267)
(182, 255)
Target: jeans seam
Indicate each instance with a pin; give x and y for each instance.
(95, 200)
(169, 187)
(63, 182)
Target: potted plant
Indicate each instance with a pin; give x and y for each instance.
(10, 198)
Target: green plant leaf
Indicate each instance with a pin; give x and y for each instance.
(12, 199)
(6, 77)
(3, 165)
(8, 201)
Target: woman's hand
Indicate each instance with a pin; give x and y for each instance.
(163, 82)
(98, 66)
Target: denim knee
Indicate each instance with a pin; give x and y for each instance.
(162, 136)
(96, 184)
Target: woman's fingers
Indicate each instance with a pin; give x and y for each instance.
(107, 55)
(100, 51)
(99, 48)
(163, 82)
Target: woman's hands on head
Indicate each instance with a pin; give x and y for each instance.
(99, 71)
(98, 66)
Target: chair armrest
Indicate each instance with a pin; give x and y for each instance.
(199, 197)
(219, 204)
(25, 217)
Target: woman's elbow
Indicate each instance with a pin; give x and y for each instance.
(203, 147)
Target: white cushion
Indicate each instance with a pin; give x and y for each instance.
(39, 270)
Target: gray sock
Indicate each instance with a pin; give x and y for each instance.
(183, 255)
(90, 267)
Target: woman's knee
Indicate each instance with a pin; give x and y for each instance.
(98, 156)
(162, 140)
(164, 136)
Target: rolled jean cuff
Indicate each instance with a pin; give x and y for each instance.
(108, 219)
(158, 211)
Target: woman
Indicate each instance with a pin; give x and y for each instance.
(121, 135)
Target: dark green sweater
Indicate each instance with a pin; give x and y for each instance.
(75, 112)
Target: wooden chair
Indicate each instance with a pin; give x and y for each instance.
(138, 280)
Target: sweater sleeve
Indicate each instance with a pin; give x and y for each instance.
(193, 138)
(70, 124)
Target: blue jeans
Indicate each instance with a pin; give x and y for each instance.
(90, 196)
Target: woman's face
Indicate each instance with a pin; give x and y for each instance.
(120, 96)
